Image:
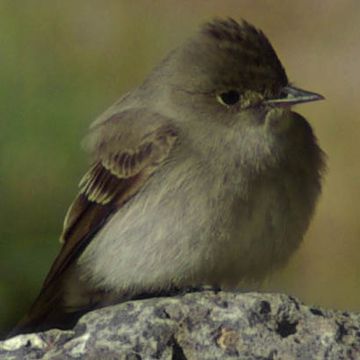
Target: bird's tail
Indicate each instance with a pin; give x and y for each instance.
(48, 311)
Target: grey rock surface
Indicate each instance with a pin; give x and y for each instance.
(204, 325)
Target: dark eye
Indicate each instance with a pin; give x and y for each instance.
(229, 98)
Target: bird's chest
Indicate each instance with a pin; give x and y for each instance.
(258, 228)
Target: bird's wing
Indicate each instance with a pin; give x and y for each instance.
(127, 149)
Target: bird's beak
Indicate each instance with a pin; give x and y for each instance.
(291, 96)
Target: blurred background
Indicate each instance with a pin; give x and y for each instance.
(64, 62)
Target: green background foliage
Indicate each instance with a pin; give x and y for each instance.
(63, 62)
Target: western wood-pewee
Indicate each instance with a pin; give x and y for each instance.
(200, 176)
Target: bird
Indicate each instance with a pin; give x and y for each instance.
(203, 175)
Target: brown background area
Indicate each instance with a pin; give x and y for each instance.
(63, 62)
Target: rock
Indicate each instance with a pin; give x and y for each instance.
(203, 325)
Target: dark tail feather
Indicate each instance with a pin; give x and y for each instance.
(48, 311)
(32, 323)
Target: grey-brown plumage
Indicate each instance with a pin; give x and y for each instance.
(200, 176)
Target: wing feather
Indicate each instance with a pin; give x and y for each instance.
(115, 176)
(127, 149)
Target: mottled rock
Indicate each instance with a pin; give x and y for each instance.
(203, 325)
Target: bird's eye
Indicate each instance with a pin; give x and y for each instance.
(229, 98)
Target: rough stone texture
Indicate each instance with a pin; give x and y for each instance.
(201, 325)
